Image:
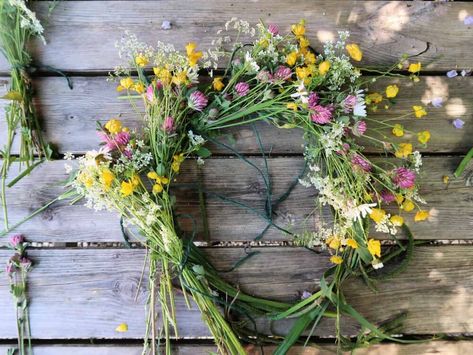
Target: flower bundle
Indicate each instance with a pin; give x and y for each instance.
(18, 25)
(17, 269)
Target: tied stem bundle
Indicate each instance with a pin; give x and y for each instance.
(18, 25)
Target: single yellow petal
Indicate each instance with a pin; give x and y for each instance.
(354, 51)
(336, 259)
(421, 215)
(374, 247)
(122, 328)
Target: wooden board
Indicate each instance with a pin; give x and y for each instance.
(428, 348)
(451, 205)
(87, 293)
(69, 116)
(81, 35)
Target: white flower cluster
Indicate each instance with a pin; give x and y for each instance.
(28, 19)
(331, 140)
(129, 47)
(195, 139)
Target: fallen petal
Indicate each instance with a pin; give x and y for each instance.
(458, 123)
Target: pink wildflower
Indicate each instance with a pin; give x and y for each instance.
(264, 76)
(312, 101)
(349, 103)
(242, 88)
(198, 101)
(404, 178)
(150, 93)
(345, 149)
(321, 114)
(168, 125)
(359, 128)
(282, 73)
(387, 196)
(273, 29)
(16, 240)
(359, 161)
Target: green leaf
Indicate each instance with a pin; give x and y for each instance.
(463, 164)
(204, 152)
(198, 269)
(13, 95)
(160, 169)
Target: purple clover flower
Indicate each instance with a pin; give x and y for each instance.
(16, 240)
(242, 88)
(359, 161)
(321, 114)
(282, 73)
(359, 128)
(197, 101)
(404, 178)
(273, 29)
(312, 101)
(349, 103)
(168, 125)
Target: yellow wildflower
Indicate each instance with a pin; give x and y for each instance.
(123, 327)
(304, 42)
(374, 98)
(354, 51)
(377, 215)
(152, 175)
(291, 58)
(408, 205)
(157, 188)
(141, 60)
(352, 243)
(421, 215)
(374, 247)
(292, 106)
(127, 188)
(263, 43)
(113, 126)
(398, 130)
(302, 72)
(415, 67)
(180, 77)
(419, 111)
(399, 198)
(309, 58)
(135, 180)
(397, 220)
(445, 179)
(336, 259)
(107, 178)
(192, 56)
(125, 83)
(324, 67)
(423, 137)
(218, 84)
(139, 87)
(404, 150)
(163, 74)
(298, 29)
(333, 242)
(88, 181)
(391, 91)
(177, 160)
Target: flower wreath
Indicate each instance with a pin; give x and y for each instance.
(277, 78)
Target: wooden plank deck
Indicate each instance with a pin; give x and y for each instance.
(84, 293)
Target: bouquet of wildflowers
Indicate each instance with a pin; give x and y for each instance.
(18, 25)
(132, 173)
(325, 95)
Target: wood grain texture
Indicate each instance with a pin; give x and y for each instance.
(87, 293)
(81, 35)
(428, 348)
(69, 116)
(451, 206)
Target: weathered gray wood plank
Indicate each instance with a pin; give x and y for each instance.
(87, 293)
(452, 206)
(428, 348)
(82, 34)
(69, 117)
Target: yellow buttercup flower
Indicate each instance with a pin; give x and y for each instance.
(125, 83)
(419, 111)
(298, 29)
(324, 67)
(354, 51)
(177, 160)
(309, 58)
(391, 91)
(408, 205)
(399, 198)
(218, 84)
(336, 259)
(292, 106)
(114, 126)
(163, 74)
(352, 243)
(302, 72)
(415, 67)
(180, 77)
(397, 220)
(152, 175)
(398, 130)
(304, 42)
(127, 188)
(88, 182)
(423, 137)
(107, 178)
(374, 98)
(291, 58)
(404, 150)
(135, 180)
(333, 242)
(377, 215)
(141, 60)
(421, 215)
(374, 247)
(157, 188)
(139, 87)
